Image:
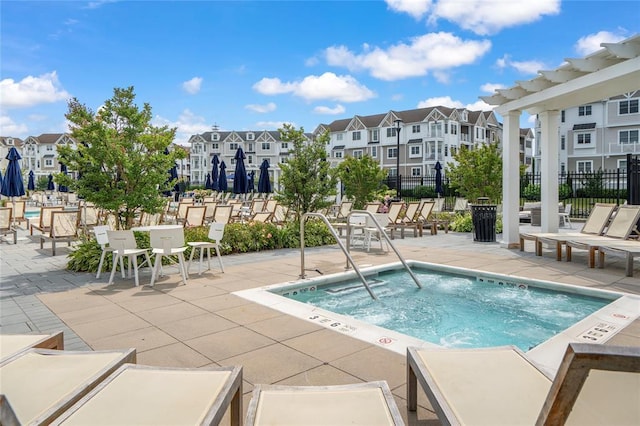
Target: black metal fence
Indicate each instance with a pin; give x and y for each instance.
(581, 189)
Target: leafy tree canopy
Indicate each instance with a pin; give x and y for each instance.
(123, 160)
(306, 180)
(362, 179)
(478, 172)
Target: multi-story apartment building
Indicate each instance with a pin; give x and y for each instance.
(599, 135)
(427, 135)
(40, 153)
(257, 146)
(6, 142)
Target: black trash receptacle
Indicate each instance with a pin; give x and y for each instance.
(484, 222)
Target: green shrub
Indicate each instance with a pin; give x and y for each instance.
(531, 192)
(463, 222)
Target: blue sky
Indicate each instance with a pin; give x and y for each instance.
(253, 65)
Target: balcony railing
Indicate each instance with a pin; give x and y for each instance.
(627, 148)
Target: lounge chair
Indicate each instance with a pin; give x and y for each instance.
(64, 228)
(13, 344)
(145, 395)
(595, 225)
(6, 227)
(41, 384)
(44, 220)
(195, 216)
(621, 226)
(595, 384)
(626, 249)
(366, 404)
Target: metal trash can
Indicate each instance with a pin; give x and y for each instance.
(484, 218)
(536, 216)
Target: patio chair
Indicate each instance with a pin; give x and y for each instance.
(262, 217)
(461, 205)
(123, 244)
(621, 227)
(222, 214)
(210, 210)
(565, 216)
(369, 403)
(395, 208)
(280, 215)
(44, 220)
(627, 249)
(6, 227)
(216, 232)
(18, 214)
(596, 223)
(181, 211)
(168, 243)
(270, 206)
(102, 238)
(373, 207)
(146, 395)
(257, 205)
(410, 220)
(12, 345)
(41, 384)
(595, 384)
(195, 216)
(89, 215)
(64, 228)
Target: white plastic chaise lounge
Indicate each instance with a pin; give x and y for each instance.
(14, 344)
(595, 225)
(365, 404)
(595, 384)
(145, 395)
(627, 249)
(41, 384)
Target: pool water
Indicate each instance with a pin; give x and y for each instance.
(455, 311)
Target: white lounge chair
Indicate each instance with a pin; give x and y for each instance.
(365, 404)
(595, 384)
(64, 228)
(14, 344)
(627, 249)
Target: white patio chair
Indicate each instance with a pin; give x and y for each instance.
(168, 242)
(565, 216)
(216, 232)
(124, 245)
(102, 239)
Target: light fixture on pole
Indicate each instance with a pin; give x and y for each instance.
(398, 128)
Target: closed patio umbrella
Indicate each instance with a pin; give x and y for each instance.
(264, 184)
(222, 179)
(214, 173)
(438, 168)
(63, 170)
(207, 184)
(31, 184)
(251, 181)
(240, 174)
(12, 185)
(50, 185)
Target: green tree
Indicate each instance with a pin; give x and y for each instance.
(306, 180)
(121, 159)
(477, 173)
(362, 179)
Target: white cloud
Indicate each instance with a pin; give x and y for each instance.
(523, 67)
(415, 8)
(192, 86)
(531, 120)
(261, 108)
(486, 17)
(429, 52)
(31, 91)
(187, 124)
(338, 109)
(446, 101)
(8, 127)
(341, 88)
(442, 77)
(491, 87)
(273, 125)
(591, 43)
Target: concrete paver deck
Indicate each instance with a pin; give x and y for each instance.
(204, 324)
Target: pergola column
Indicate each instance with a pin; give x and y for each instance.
(549, 170)
(511, 179)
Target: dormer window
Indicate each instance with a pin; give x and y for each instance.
(250, 136)
(9, 141)
(215, 137)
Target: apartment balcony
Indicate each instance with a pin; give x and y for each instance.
(627, 148)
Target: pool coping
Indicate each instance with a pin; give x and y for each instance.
(598, 327)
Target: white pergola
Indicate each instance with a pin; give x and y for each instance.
(611, 71)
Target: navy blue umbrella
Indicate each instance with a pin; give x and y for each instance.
(63, 170)
(31, 185)
(264, 184)
(207, 184)
(222, 180)
(214, 172)
(438, 168)
(50, 186)
(240, 178)
(0, 179)
(12, 185)
(251, 181)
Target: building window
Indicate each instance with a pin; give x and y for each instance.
(415, 128)
(584, 110)
(584, 166)
(628, 107)
(393, 173)
(374, 152)
(337, 154)
(391, 132)
(215, 137)
(562, 116)
(49, 148)
(250, 147)
(416, 171)
(339, 136)
(454, 129)
(250, 136)
(583, 138)
(48, 162)
(415, 151)
(357, 153)
(233, 146)
(562, 143)
(628, 136)
(355, 136)
(215, 147)
(266, 146)
(563, 168)
(285, 146)
(392, 152)
(446, 150)
(374, 135)
(249, 159)
(622, 166)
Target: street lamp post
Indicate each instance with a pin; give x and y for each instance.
(398, 128)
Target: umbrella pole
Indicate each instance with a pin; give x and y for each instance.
(13, 213)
